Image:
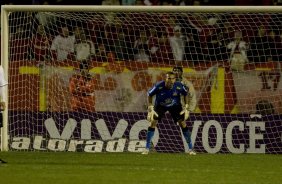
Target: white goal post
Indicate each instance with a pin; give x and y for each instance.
(235, 71)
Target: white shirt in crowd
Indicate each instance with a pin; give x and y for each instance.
(238, 55)
(84, 50)
(238, 48)
(63, 46)
(178, 47)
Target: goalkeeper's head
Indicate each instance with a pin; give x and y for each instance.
(178, 71)
(170, 80)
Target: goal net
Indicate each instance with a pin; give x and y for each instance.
(231, 58)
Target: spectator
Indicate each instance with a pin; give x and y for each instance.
(40, 44)
(259, 46)
(82, 87)
(193, 49)
(101, 54)
(77, 32)
(164, 53)
(152, 42)
(111, 34)
(274, 55)
(142, 54)
(122, 48)
(177, 43)
(216, 48)
(238, 54)
(141, 42)
(84, 48)
(170, 24)
(227, 33)
(62, 47)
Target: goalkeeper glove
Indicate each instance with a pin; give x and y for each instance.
(186, 112)
(151, 113)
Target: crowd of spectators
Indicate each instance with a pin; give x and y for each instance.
(155, 37)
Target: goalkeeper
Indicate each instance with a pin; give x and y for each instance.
(3, 83)
(168, 98)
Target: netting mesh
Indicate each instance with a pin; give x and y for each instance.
(233, 61)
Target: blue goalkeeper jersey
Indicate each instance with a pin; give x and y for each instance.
(168, 97)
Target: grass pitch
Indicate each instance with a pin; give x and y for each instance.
(130, 168)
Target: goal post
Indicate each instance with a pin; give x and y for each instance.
(4, 62)
(230, 55)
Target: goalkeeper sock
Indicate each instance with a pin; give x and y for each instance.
(187, 136)
(150, 134)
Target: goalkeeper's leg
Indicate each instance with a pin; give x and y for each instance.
(187, 136)
(150, 135)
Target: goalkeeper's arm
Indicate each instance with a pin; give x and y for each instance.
(151, 112)
(185, 111)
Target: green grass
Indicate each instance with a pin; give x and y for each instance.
(155, 168)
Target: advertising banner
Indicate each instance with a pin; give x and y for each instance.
(126, 132)
(123, 91)
(258, 91)
(218, 90)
